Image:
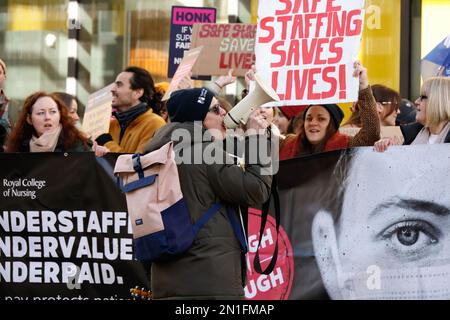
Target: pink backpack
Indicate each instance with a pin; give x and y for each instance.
(161, 224)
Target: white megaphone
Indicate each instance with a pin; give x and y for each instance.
(256, 98)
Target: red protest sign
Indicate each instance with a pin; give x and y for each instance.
(306, 49)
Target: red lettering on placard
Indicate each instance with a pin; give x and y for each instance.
(284, 24)
(287, 8)
(300, 84)
(275, 84)
(312, 82)
(330, 6)
(320, 43)
(297, 27)
(234, 60)
(309, 83)
(294, 53)
(342, 82)
(264, 25)
(338, 51)
(278, 52)
(357, 28)
(314, 5)
(331, 80)
(308, 51)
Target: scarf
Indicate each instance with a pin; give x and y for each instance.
(46, 142)
(126, 117)
(291, 147)
(424, 135)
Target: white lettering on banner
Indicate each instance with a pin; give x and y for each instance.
(64, 221)
(65, 245)
(52, 272)
(266, 240)
(264, 283)
(11, 187)
(47, 246)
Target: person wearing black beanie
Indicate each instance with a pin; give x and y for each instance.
(189, 104)
(319, 131)
(211, 179)
(335, 112)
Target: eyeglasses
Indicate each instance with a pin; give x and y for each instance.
(215, 109)
(423, 97)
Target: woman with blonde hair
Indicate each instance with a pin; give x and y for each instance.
(432, 118)
(45, 126)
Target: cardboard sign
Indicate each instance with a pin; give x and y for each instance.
(393, 132)
(97, 114)
(181, 30)
(226, 46)
(306, 49)
(184, 69)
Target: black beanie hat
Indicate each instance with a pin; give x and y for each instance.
(189, 104)
(333, 109)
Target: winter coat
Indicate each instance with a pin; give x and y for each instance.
(136, 135)
(79, 146)
(214, 267)
(410, 132)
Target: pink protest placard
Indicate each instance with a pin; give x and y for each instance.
(183, 70)
(306, 49)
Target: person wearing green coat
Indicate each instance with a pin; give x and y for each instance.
(214, 266)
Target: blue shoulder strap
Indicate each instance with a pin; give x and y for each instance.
(234, 224)
(141, 182)
(237, 230)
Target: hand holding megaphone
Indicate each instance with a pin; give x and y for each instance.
(257, 122)
(256, 98)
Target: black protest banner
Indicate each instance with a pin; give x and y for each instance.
(64, 229)
(355, 224)
(368, 225)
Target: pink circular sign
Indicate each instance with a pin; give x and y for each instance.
(277, 285)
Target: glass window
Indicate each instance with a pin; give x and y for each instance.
(33, 37)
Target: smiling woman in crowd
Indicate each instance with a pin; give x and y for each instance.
(45, 126)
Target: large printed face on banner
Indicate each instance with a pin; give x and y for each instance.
(391, 239)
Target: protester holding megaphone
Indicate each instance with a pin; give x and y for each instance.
(209, 176)
(320, 129)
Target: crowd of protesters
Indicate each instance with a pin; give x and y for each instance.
(142, 123)
(139, 112)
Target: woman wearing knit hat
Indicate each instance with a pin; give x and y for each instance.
(214, 266)
(319, 131)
